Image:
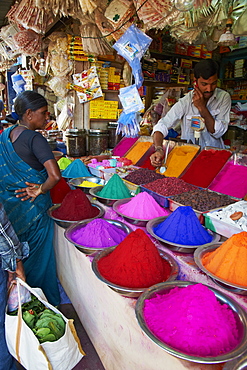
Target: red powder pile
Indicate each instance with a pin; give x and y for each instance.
(135, 263)
(205, 167)
(59, 191)
(75, 207)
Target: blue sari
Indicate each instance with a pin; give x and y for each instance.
(29, 219)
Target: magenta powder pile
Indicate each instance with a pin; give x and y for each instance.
(143, 207)
(193, 321)
(124, 145)
(75, 207)
(98, 233)
(232, 180)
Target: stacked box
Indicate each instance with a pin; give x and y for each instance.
(104, 109)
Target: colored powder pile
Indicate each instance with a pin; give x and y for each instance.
(168, 186)
(88, 184)
(147, 164)
(76, 169)
(192, 320)
(75, 207)
(63, 163)
(124, 145)
(115, 189)
(205, 167)
(59, 191)
(178, 159)
(138, 150)
(135, 263)
(143, 207)
(232, 180)
(143, 176)
(183, 227)
(98, 234)
(229, 261)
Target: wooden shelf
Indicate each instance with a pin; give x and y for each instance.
(103, 119)
(110, 91)
(162, 84)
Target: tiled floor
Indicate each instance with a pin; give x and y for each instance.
(89, 362)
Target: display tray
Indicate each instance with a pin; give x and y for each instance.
(219, 226)
(206, 148)
(162, 200)
(130, 185)
(142, 139)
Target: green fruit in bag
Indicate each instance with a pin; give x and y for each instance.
(28, 318)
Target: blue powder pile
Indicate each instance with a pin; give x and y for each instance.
(76, 169)
(183, 227)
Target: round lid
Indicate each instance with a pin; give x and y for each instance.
(98, 132)
(112, 124)
(75, 131)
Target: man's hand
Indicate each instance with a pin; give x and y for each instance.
(198, 99)
(156, 158)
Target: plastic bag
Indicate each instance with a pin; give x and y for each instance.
(132, 46)
(130, 99)
(128, 125)
(13, 302)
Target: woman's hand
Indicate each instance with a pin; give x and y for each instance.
(32, 191)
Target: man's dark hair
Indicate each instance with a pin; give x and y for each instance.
(28, 100)
(206, 68)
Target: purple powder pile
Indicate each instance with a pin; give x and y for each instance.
(183, 227)
(98, 234)
(143, 176)
(192, 320)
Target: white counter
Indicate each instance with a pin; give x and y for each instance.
(109, 318)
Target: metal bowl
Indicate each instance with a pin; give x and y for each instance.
(57, 154)
(164, 288)
(173, 246)
(131, 292)
(231, 287)
(239, 363)
(65, 223)
(131, 220)
(107, 201)
(79, 225)
(79, 180)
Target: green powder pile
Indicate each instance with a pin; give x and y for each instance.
(115, 189)
(63, 163)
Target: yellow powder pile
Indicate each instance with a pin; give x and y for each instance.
(138, 150)
(178, 159)
(88, 184)
(229, 261)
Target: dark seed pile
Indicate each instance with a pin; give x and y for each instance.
(143, 176)
(169, 186)
(203, 200)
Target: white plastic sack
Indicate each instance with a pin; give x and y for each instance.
(62, 354)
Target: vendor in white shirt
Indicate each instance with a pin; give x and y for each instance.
(206, 101)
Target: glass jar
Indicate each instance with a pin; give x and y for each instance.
(113, 138)
(76, 142)
(97, 141)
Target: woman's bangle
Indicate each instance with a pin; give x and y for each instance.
(159, 148)
(41, 190)
(18, 261)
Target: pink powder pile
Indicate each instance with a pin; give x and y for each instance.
(98, 234)
(124, 145)
(193, 321)
(232, 180)
(143, 207)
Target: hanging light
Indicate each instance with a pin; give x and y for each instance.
(227, 38)
(184, 5)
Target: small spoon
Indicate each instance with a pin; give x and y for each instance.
(163, 167)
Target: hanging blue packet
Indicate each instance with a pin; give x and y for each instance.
(128, 125)
(130, 99)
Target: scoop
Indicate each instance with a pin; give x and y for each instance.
(163, 167)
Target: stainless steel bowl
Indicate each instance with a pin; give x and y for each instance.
(231, 287)
(107, 201)
(173, 246)
(65, 223)
(79, 180)
(131, 292)
(239, 363)
(79, 225)
(164, 288)
(131, 220)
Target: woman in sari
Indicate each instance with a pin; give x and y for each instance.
(28, 170)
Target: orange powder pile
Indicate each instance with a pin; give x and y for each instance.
(178, 159)
(229, 261)
(138, 150)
